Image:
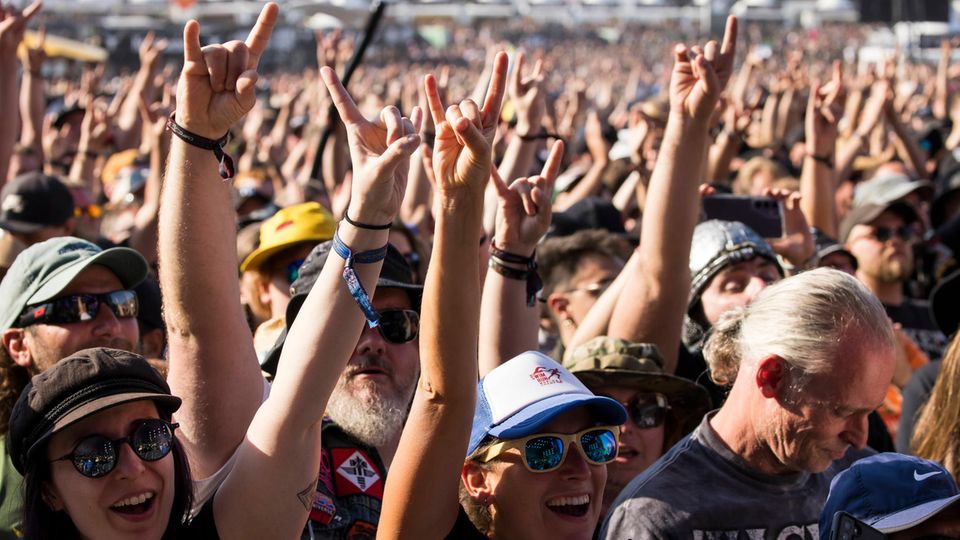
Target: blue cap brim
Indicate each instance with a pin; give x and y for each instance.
(913, 516)
(532, 419)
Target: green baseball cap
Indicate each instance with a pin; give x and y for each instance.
(43, 270)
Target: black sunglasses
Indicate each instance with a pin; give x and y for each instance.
(647, 410)
(399, 325)
(905, 232)
(80, 307)
(96, 455)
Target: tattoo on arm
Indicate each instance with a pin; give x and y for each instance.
(305, 496)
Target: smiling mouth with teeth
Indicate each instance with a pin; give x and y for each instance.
(570, 506)
(134, 505)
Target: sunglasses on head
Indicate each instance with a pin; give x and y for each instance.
(96, 455)
(905, 232)
(545, 452)
(79, 308)
(399, 325)
(647, 410)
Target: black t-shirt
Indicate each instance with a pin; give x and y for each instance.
(701, 489)
(202, 526)
(464, 529)
(914, 315)
(915, 396)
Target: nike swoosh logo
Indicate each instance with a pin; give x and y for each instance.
(921, 477)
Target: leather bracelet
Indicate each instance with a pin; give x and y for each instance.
(508, 271)
(506, 256)
(530, 274)
(225, 168)
(361, 225)
(538, 136)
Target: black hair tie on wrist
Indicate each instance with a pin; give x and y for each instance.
(361, 225)
(225, 168)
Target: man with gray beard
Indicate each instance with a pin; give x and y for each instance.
(369, 405)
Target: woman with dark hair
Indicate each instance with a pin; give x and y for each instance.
(76, 435)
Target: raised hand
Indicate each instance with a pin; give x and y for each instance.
(527, 95)
(216, 86)
(151, 49)
(874, 108)
(700, 75)
(797, 242)
(524, 209)
(462, 151)
(35, 57)
(380, 152)
(13, 23)
(824, 108)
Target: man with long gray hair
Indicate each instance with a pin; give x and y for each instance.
(809, 359)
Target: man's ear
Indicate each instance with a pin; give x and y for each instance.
(262, 284)
(557, 302)
(476, 479)
(14, 341)
(771, 374)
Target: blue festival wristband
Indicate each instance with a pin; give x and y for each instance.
(353, 282)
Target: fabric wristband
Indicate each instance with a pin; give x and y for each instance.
(353, 282)
(225, 167)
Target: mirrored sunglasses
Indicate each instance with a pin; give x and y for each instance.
(399, 325)
(96, 455)
(647, 410)
(545, 452)
(79, 308)
(292, 271)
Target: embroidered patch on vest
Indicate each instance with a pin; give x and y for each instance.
(355, 473)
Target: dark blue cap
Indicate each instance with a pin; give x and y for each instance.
(890, 492)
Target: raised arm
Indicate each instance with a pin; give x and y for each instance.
(818, 178)
(32, 99)
(509, 317)
(277, 466)
(146, 222)
(421, 493)
(13, 23)
(212, 361)
(653, 302)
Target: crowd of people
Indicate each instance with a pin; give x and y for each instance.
(477, 292)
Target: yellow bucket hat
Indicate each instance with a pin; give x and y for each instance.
(305, 222)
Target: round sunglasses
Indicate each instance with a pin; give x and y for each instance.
(96, 455)
(545, 452)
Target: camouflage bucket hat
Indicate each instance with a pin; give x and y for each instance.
(606, 361)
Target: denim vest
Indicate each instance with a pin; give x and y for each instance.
(346, 504)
